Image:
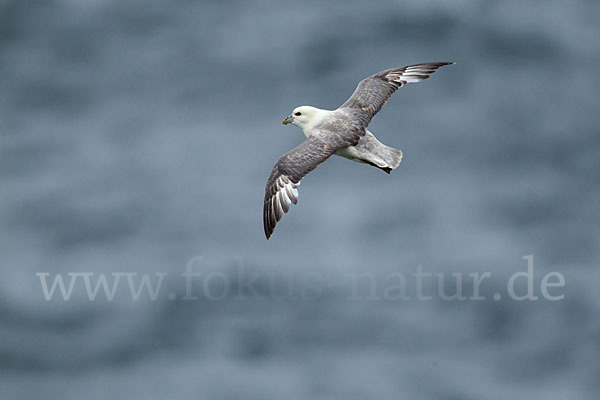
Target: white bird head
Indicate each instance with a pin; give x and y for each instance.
(303, 117)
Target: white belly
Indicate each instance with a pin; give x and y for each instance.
(351, 153)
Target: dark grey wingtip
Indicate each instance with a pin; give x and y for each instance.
(266, 226)
(268, 234)
(438, 64)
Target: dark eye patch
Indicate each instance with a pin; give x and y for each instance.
(298, 114)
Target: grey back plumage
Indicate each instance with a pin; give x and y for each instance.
(343, 128)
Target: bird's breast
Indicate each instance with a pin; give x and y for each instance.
(350, 153)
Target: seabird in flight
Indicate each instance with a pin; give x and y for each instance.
(342, 132)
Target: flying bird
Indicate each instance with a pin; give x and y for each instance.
(342, 132)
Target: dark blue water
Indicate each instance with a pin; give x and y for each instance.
(135, 136)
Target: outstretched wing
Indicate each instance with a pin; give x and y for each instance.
(373, 92)
(282, 186)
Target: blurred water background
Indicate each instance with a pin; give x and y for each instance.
(136, 135)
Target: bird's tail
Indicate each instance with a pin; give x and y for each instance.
(386, 159)
(393, 158)
(377, 154)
